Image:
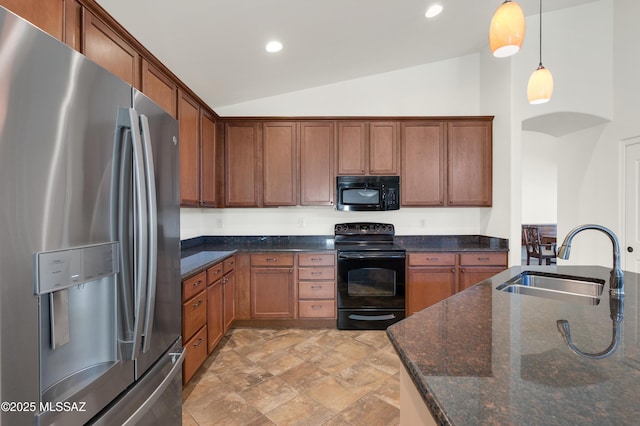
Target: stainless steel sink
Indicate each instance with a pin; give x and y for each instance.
(567, 288)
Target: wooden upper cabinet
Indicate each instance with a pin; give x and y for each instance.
(423, 164)
(352, 148)
(209, 160)
(317, 177)
(383, 148)
(280, 163)
(46, 15)
(242, 165)
(188, 117)
(368, 148)
(104, 46)
(469, 163)
(160, 88)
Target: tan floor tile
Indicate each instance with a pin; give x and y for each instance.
(389, 391)
(363, 375)
(300, 411)
(376, 338)
(333, 361)
(265, 377)
(231, 410)
(268, 394)
(370, 411)
(280, 361)
(334, 394)
(303, 376)
(387, 361)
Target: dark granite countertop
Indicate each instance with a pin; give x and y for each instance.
(195, 262)
(201, 252)
(489, 357)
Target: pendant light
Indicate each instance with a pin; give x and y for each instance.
(507, 29)
(540, 87)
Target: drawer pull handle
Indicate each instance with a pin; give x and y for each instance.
(317, 287)
(316, 307)
(433, 259)
(315, 259)
(197, 283)
(316, 273)
(271, 259)
(197, 343)
(195, 305)
(217, 271)
(483, 259)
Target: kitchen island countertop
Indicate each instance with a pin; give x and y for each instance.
(485, 356)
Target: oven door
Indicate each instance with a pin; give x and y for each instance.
(371, 279)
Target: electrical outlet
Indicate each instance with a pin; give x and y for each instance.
(300, 222)
(219, 223)
(423, 223)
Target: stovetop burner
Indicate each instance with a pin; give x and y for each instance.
(369, 236)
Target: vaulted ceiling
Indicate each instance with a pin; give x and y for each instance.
(217, 47)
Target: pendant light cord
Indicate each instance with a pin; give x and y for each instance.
(540, 64)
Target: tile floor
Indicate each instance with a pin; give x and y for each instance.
(296, 377)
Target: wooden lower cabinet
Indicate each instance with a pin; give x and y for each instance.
(475, 267)
(316, 285)
(432, 277)
(196, 354)
(215, 314)
(272, 293)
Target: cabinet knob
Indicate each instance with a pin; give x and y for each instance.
(630, 249)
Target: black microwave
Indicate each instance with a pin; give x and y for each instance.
(368, 193)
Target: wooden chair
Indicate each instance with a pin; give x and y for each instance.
(535, 249)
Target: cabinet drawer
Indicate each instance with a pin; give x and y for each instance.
(310, 259)
(214, 273)
(316, 273)
(272, 259)
(486, 258)
(196, 353)
(316, 309)
(317, 290)
(432, 259)
(194, 314)
(228, 264)
(193, 285)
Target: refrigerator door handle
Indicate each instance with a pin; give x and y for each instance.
(141, 228)
(177, 359)
(152, 218)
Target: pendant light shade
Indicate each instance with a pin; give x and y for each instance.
(506, 33)
(540, 87)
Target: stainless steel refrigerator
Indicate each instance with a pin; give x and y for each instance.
(89, 241)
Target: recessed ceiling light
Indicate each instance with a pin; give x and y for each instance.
(434, 10)
(273, 46)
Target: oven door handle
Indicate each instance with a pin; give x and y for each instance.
(371, 255)
(386, 317)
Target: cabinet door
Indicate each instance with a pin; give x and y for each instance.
(428, 286)
(160, 88)
(317, 176)
(423, 164)
(229, 296)
(272, 293)
(104, 46)
(188, 116)
(47, 15)
(352, 148)
(469, 164)
(242, 168)
(383, 148)
(215, 319)
(208, 163)
(280, 164)
(471, 275)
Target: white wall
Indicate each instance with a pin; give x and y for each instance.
(539, 178)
